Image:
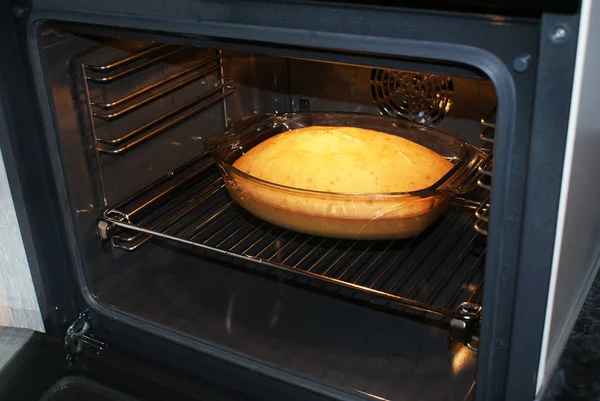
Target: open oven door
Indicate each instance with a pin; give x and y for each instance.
(33, 367)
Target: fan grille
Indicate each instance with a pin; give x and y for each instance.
(417, 97)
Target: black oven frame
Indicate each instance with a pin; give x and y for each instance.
(531, 132)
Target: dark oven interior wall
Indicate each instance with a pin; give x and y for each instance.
(340, 87)
(276, 84)
(188, 292)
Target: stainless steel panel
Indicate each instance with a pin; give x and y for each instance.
(18, 302)
(577, 245)
(12, 340)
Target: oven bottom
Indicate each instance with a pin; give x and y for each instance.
(38, 371)
(292, 328)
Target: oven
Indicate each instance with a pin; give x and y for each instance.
(135, 245)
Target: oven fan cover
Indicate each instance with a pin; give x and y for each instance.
(418, 97)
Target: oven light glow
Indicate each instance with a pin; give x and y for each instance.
(275, 317)
(372, 395)
(463, 358)
(228, 319)
(498, 19)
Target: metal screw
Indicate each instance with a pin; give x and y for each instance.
(559, 34)
(521, 63)
(19, 11)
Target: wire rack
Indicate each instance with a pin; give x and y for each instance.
(434, 272)
(482, 212)
(98, 79)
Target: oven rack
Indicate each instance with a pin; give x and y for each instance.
(433, 273)
(482, 212)
(96, 79)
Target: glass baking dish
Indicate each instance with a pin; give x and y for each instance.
(370, 216)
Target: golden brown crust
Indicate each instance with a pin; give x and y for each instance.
(342, 160)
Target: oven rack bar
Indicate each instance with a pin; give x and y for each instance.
(482, 216)
(130, 70)
(488, 121)
(127, 60)
(185, 111)
(107, 111)
(110, 105)
(432, 273)
(485, 171)
(135, 106)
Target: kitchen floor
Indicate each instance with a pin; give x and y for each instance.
(577, 376)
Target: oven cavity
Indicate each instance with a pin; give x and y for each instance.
(163, 241)
(438, 274)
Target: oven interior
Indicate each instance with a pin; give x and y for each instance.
(383, 318)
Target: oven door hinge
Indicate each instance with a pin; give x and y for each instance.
(79, 336)
(465, 328)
